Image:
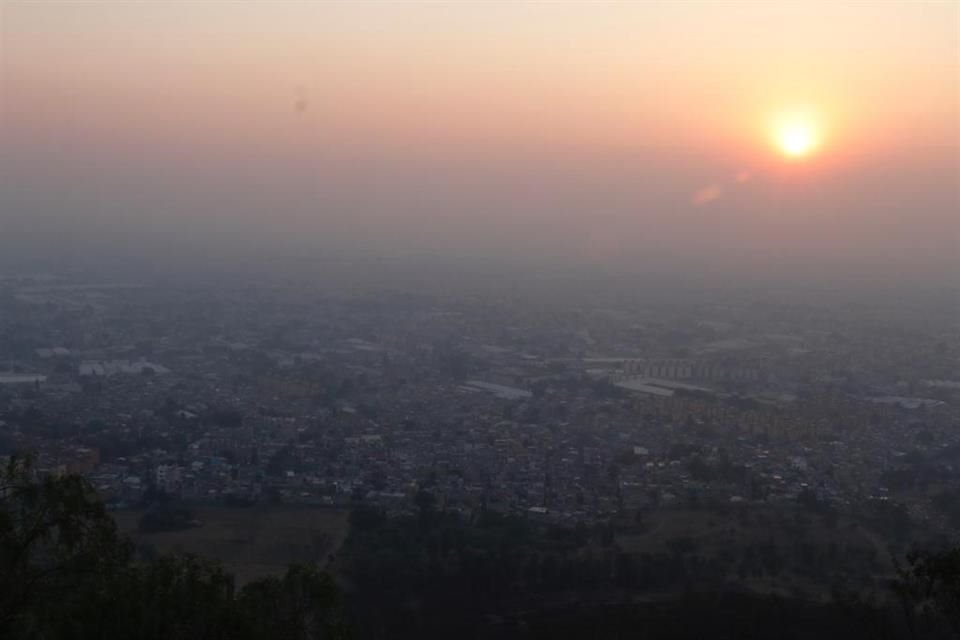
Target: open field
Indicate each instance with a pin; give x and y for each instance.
(251, 542)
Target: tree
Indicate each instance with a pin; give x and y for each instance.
(303, 605)
(56, 539)
(929, 590)
(169, 597)
(65, 572)
(166, 516)
(426, 506)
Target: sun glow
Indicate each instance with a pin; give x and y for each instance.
(796, 136)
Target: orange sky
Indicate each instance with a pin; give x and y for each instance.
(116, 101)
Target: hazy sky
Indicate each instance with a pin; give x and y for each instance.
(603, 132)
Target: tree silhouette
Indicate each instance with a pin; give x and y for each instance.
(65, 572)
(929, 590)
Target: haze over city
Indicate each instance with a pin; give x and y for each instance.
(620, 134)
(479, 319)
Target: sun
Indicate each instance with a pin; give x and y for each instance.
(797, 139)
(796, 136)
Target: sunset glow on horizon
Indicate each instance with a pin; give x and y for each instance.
(525, 127)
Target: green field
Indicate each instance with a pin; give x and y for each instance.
(251, 543)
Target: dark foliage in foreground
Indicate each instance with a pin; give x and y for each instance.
(66, 573)
(435, 576)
